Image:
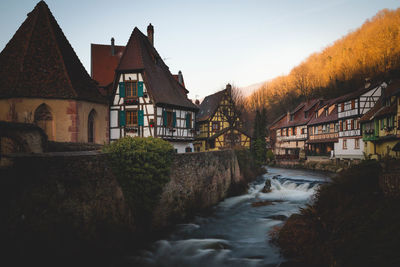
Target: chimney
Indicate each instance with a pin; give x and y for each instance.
(112, 46)
(180, 77)
(197, 102)
(150, 34)
(288, 116)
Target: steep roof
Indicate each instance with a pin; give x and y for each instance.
(140, 55)
(379, 108)
(103, 63)
(331, 117)
(40, 62)
(210, 105)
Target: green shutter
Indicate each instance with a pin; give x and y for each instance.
(121, 89)
(140, 117)
(140, 89)
(122, 120)
(164, 117)
(174, 119)
(188, 120)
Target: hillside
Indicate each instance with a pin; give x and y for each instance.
(371, 51)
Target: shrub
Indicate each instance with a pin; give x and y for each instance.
(270, 155)
(142, 166)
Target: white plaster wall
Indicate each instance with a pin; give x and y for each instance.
(350, 152)
(181, 146)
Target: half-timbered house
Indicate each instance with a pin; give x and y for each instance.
(43, 82)
(219, 123)
(323, 129)
(380, 125)
(350, 109)
(146, 99)
(290, 130)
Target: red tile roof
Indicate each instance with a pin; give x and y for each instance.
(140, 55)
(104, 63)
(331, 117)
(40, 62)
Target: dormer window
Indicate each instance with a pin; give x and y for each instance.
(316, 114)
(326, 112)
(305, 114)
(291, 117)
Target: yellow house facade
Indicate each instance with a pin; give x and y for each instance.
(380, 126)
(219, 124)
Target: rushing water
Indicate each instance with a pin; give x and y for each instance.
(236, 234)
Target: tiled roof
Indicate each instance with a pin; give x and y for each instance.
(104, 63)
(140, 55)
(379, 109)
(210, 105)
(333, 116)
(40, 62)
(359, 92)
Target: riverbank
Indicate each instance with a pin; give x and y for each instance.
(69, 208)
(316, 164)
(351, 223)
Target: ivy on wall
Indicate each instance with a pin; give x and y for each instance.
(142, 166)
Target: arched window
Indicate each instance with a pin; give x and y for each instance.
(91, 126)
(44, 119)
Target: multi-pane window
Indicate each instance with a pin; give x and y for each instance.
(131, 117)
(131, 89)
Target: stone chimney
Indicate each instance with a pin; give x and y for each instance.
(112, 46)
(150, 34)
(180, 77)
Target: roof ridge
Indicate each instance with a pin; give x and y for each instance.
(59, 51)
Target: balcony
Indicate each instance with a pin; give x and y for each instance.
(292, 137)
(350, 133)
(348, 113)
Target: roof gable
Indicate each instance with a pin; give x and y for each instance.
(103, 63)
(40, 62)
(209, 105)
(140, 55)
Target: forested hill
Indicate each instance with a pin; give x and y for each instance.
(371, 51)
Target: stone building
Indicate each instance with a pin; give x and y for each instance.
(42, 81)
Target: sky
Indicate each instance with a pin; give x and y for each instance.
(213, 42)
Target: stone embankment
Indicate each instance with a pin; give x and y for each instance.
(68, 199)
(317, 164)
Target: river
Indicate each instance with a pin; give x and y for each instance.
(235, 233)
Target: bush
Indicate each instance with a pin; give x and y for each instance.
(142, 166)
(270, 155)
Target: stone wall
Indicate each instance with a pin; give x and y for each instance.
(198, 181)
(73, 198)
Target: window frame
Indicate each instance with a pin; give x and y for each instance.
(128, 117)
(131, 89)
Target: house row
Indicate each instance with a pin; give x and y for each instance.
(360, 124)
(130, 92)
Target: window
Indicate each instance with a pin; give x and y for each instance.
(326, 112)
(336, 127)
(169, 118)
(188, 149)
(91, 125)
(303, 131)
(44, 119)
(131, 89)
(305, 114)
(344, 144)
(291, 117)
(131, 117)
(316, 129)
(348, 124)
(324, 128)
(215, 126)
(278, 132)
(357, 143)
